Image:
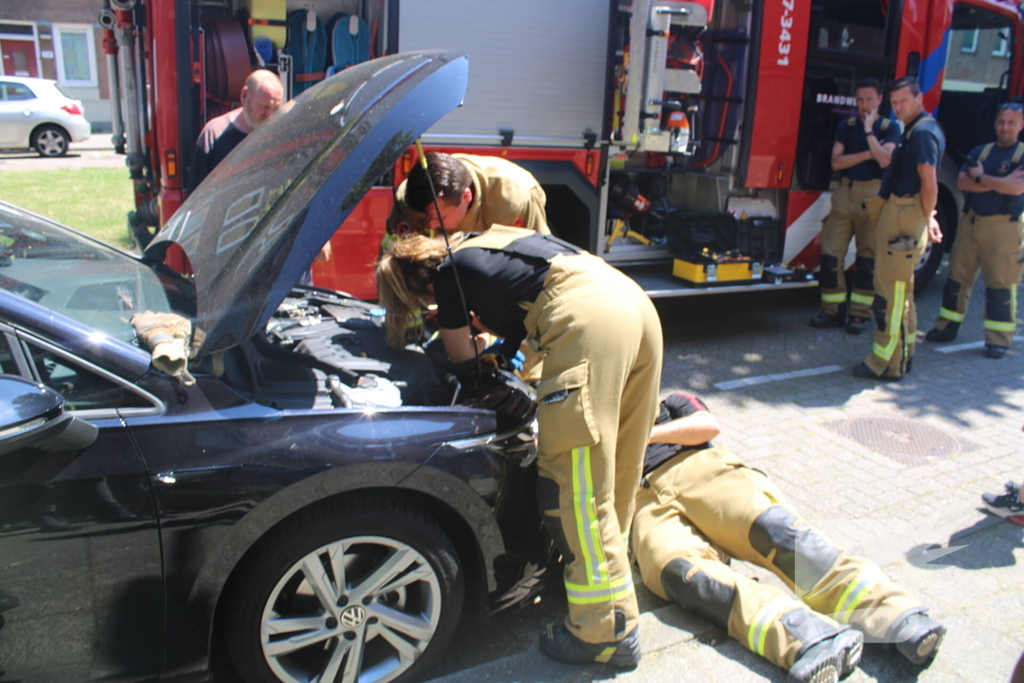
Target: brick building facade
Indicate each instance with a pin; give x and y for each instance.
(59, 40)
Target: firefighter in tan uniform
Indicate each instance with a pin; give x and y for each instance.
(698, 505)
(474, 193)
(863, 147)
(989, 237)
(910, 192)
(600, 337)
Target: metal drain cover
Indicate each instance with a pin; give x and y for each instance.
(903, 440)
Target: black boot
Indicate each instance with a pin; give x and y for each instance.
(917, 637)
(829, 660)
(946, 335)
(557, 643)
(825, 320)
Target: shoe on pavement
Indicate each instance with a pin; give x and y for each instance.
(993, 351)
(864, 372)
(856, 324)
(1005, 504)
(918, 637)
(557, 643)
(830, 660)
(825, 320)
(946, 335)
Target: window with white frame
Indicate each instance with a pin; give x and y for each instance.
(1001, 46)
(968, 40)
(76, 55)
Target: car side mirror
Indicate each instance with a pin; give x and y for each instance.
(33, 416)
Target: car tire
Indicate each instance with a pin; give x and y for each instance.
(394, 614)
(50, 141)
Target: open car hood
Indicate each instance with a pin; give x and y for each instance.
(254, 226)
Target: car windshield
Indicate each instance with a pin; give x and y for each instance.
(62, 91)
(78, 277)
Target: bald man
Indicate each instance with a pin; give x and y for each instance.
(261, 97)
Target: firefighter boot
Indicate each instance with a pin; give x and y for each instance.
(557, 643)
(825, 320)
(829, 660)
(946, 334)
(917, 637)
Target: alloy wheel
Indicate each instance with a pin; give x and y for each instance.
(358, 609)
(51, 143)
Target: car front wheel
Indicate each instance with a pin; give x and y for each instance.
(370, 594)
(51, 141)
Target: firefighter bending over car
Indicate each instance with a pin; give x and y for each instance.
(906, 218)
(600, 338)
(863, 147)
(699, 505)
(474, 193)
(989, 237)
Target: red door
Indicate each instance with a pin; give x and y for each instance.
(19, 57)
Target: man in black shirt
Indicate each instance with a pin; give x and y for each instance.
(989, 238)
(863, 147)
(911, 191)
(698, 505)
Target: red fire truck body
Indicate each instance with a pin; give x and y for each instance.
(671, 136)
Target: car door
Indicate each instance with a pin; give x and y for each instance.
(79, 541)
(18, 106)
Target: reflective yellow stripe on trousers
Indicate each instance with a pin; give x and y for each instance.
(852, 596)
(895, 320)
(861, 299)
(758, 632)
(598, 587)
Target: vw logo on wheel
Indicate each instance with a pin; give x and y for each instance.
(353, 616)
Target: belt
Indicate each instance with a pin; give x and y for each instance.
(1003, 217)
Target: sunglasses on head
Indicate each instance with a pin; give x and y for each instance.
(1012, 106)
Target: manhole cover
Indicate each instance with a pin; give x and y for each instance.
(903, 440)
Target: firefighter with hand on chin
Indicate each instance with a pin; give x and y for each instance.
(863, 147)
(989, 237)
(908, 197)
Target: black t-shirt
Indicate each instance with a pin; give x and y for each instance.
(998, 164)
(855, 141)
(495, 283)
(674, 407)
(925, 145)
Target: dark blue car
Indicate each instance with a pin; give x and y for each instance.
(316, 506)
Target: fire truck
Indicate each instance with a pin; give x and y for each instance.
(687, 142)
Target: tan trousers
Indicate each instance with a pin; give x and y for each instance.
(704, 506)
(900, 240)
(993, 245)
(848, 220)
(601, 341)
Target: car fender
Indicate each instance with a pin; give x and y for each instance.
(441, 486)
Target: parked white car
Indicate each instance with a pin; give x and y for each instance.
(36, 114)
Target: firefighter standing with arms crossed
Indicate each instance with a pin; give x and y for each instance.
(863, 147)
(910, 192)
(989, 237)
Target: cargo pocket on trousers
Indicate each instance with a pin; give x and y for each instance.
(564, 411)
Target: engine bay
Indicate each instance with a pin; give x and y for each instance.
(334, 348)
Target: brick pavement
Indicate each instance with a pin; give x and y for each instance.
(907, 518)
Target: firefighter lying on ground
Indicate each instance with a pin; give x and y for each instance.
(698, 505)
(601, 341)
(989, 237)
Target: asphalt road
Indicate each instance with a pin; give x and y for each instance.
(94, 152)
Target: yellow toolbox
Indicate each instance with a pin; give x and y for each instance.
(706, 271)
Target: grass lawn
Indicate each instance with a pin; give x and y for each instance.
(93, 200)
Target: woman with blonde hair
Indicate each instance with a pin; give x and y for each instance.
(600, 338)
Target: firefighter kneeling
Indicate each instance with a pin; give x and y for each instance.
(698, 505)
(989, 237)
